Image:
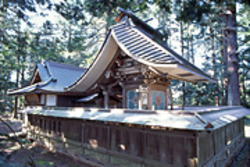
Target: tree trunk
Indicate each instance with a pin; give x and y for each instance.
(23, 71)
(216, 98)
(232, 57)
(70, 49)
(224, 58)
(243, 93)
(17, 83)
(182, 53)
(188, 42)
(192, 49)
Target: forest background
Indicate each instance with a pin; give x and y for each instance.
(213, 34)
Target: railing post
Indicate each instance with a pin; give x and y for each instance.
(108, 143)
(83, 137)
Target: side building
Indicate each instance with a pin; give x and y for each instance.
(46, 87)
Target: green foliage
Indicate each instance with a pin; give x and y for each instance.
(23, 43)
(80, 26)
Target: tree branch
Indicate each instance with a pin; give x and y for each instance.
(32, 163)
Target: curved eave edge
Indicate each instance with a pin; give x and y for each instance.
(14, 92)
(198, 73)
(33, 88)
(74, 84)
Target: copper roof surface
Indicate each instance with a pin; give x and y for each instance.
(142, 48)
(54, 78)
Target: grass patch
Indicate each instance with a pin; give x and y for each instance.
(43, 163)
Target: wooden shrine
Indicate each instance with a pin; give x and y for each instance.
(122, 118)
(134, 69)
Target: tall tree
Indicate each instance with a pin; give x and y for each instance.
(232, 55)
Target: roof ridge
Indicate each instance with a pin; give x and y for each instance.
(47, 66)
(137, 21)
(156, 44)
(68, 66)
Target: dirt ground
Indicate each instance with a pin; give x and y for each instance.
(12, 155)
(243, 158)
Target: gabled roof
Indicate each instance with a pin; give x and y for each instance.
(54, 78)
(140, 45)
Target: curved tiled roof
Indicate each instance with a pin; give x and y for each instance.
(54, 77)
(141, 46)
(138, 45)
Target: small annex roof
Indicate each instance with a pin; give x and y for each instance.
(204, 119)
(88, 98)
(50, 77)
(133, 38)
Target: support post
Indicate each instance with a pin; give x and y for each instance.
(108, 144)
(123, 95)
(83, 137)
(106, 99)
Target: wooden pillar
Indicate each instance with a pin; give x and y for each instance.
(140, 101)
(150, 99)
(108, 144)
(123, 95)
(14, 114)
(106, 99)
(44, 125)
(144, 144)
(166, 99)
(83, 138)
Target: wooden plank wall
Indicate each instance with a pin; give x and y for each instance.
(121, 145)
(217, 148)
(116, 144)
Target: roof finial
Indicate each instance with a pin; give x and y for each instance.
(43, 62)
(123, 14)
